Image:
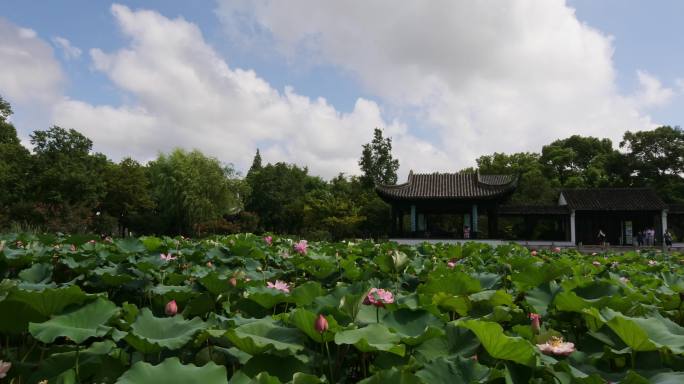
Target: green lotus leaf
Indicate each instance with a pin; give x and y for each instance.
(492, 297)
(265, 335)
(171, 371)
(129, 245)
(450, 282)
(392, 375)
(151, 243)
(535, 275)
(646, 334)
(150, 334)
(541, 297)
(304, 320)
(319, 266)
(216, 284)
(282, 367)
(498, 344)
(267, 297)
(113, 275)
(49, 301)
(414, 327)
(372, 338)
(38, 274)
(58, 364)
(78, 325)
(306, 293)
(456, 371)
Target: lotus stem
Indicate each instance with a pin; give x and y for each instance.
(332, 379)
(377, 314)
(78, 374)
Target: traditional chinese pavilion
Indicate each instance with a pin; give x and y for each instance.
(476, 206)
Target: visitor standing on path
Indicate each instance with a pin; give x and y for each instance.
(667, 237)
(601, 237)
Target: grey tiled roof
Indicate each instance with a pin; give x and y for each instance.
(533, 210)
(613, 199)
(449, 186)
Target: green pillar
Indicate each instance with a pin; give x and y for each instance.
(413, 218)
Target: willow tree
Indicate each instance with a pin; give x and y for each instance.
(191, 188)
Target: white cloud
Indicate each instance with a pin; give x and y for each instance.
(69, 51)
(30, 73)
(186, 95)
(485, 76)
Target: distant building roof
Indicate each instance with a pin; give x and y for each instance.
(533, 210)
(449, 186)
(611, 199)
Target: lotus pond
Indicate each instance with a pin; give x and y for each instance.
(247, 309)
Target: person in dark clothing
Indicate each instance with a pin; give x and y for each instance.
(668, 239)
(601, 237)
(640, 238)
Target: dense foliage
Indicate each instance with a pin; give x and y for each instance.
(63, 186)
(244, 309)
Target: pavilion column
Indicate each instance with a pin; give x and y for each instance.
(663, 220)
(473, 220)
(573, 238)
(413, 218)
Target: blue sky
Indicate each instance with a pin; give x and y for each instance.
(307, 82)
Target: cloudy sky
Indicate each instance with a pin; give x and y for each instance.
(307, 81)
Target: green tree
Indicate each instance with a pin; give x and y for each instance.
(377, 164)
(128, 194)
(5, 109)
(67, 181)
(277, 196)
(656, 159)
(578, 161)
(533, 187)
(190, 189)
(14, 168)
(256, 163)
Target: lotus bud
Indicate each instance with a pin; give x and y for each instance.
(233, 281)
(171, 308)
(535, 318)
(209, 264)
(533, 253)
(321, 324)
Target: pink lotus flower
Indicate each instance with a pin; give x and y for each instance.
(378, 297)
(279, 285)
(556, 250)
(268, 240)
(232, 281)
(535, 318)
(533, 253)
(72, 248)
(593, 253)
(4, 368)
(596, 263)
(210, 264)
(652, 262)
(92, 242)
(171, 308)
(452, 263)
(556, 346)
(321, 324)
(301, 246)
(166, 257)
